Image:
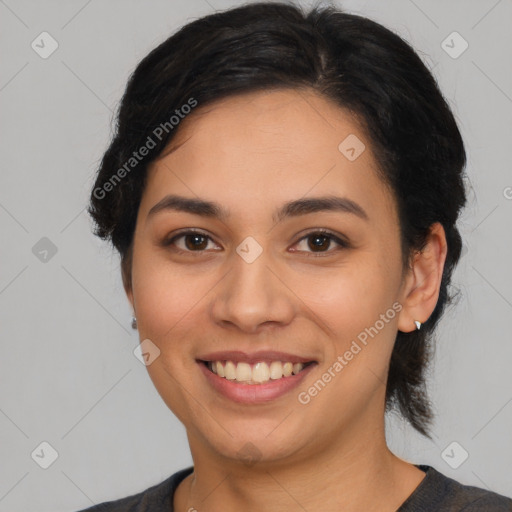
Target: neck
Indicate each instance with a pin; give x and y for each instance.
(358, 472)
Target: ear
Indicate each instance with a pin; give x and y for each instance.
(420, 291)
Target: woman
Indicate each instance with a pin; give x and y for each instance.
(283, 190)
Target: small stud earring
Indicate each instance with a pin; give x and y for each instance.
(418, 324)
(134, 323)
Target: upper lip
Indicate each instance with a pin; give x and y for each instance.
(253, 357)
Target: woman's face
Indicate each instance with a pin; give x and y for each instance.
(260, 287)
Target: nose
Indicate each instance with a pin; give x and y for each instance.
(252, 296)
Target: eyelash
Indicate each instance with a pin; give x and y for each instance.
(323, 232)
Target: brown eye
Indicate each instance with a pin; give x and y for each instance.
(195, 241)
(189, 241)
(321, 242)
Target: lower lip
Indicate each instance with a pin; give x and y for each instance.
(254, 393)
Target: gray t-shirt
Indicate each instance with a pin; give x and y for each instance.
(435, 493)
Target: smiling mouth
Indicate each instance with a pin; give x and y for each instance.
(257, 373)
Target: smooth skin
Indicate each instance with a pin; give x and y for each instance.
(252, 153)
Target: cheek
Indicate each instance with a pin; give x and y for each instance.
(160, 305)
(167, 301)
(361, 340)
(166, 295)
(350, 297)
(162, 299)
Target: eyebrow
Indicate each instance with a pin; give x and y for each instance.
(303, 206)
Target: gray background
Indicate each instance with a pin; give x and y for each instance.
(68, 373)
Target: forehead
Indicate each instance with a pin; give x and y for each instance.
(295, 121)
(267, 147)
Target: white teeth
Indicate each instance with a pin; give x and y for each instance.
(243, 372)
(261, 372)
(230, 370)
(254, 374)
(276, 370)
(219, 369)
(297, 367)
